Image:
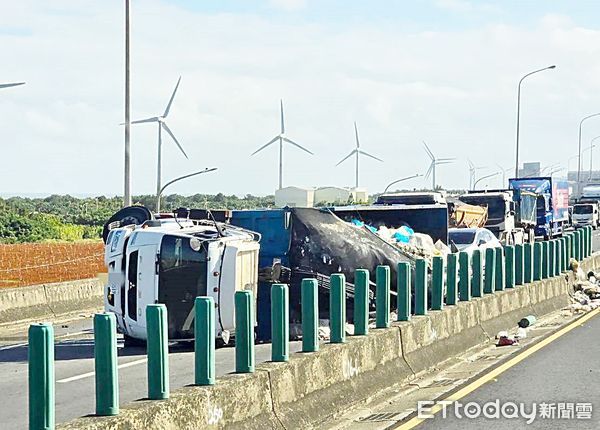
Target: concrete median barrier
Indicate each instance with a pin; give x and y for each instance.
(311, 387)
(37, 302)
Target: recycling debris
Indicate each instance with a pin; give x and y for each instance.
(528, 321)
(504, 339)
(410, 242)
(586, 289)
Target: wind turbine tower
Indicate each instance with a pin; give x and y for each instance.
(434, 163)
(281, 137)
(473, 172)
(161, 121)
(357, 152)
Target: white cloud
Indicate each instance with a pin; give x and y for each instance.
(455, 89)
(288, 4)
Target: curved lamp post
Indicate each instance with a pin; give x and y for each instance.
(579, 150)
(491, 175)
(519, 113)
(400, 180)
(177, 180)
(592, 146)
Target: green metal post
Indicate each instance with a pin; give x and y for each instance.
(337, 308)
(361, 302)
(451, 279)
(310, 315)
(204, 341)
(477, 274)
(490, 271)
(437, 283)
(404, 291)
(509, 266)
(568, 250)
(527, 263)
(280, 323)
(518, 264)
(464, 284)
(105, 364)
(382, 297)
(537, 261)
(41, 376)
(559, 256)
(590, 233)
(244, 332)
(499, 283)
(545, 259)
(158, 352)
(552, 258)
(421, 287)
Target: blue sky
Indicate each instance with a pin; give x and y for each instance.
(443, 71)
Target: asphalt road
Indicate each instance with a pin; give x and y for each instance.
(74, 366)
(565, 375)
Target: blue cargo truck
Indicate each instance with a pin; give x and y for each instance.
(552, 203)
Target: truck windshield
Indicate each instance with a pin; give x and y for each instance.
(181, 271)
(496, 205)
(583, 209)
(461, 237)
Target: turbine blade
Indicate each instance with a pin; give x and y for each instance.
(296, 145)
(282, 121)
(446, 159)
(369, 155)
(168, 130)
(265, 145)
(356, 134)
(15, 84)
(429, 151)
(171, 99)
(140, 121)
(428, 173)
(437, 162)
(346, 157)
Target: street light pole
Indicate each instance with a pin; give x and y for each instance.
(519, 113)
(592, 146)
(579, 150)
(485, 177)
(127, 167)
(400, 180)
(160, 192)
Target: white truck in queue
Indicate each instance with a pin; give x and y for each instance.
(172, 261)
(586, 210)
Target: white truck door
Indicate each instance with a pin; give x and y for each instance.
(141, 288)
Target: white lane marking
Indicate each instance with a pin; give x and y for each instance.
(16, 345)
(62, 336)
(89, 374)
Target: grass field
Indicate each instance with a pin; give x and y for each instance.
(40, 263)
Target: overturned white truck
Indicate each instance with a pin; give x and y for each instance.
(172, 261)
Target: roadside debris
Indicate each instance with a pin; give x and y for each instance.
(503, 339)
(528, 321)
(586, 289)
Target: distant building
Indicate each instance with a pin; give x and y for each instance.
(295, 197)
(332, 196)
(530, 170)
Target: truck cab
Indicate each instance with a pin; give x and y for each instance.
(173, 261)
(585, 214)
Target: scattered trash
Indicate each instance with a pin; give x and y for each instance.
(528, 321)
(586, 289)
(521, 333)
(507, 341)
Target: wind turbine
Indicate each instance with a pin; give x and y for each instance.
(472, 172)
(16, 84)
(281, 137)
(434, 162)
(358, 152)
(162, 124)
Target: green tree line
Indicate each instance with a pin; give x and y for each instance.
(68, 218)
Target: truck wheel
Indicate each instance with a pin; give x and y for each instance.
(129, 342)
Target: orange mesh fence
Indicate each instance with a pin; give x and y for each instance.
(39, 263)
